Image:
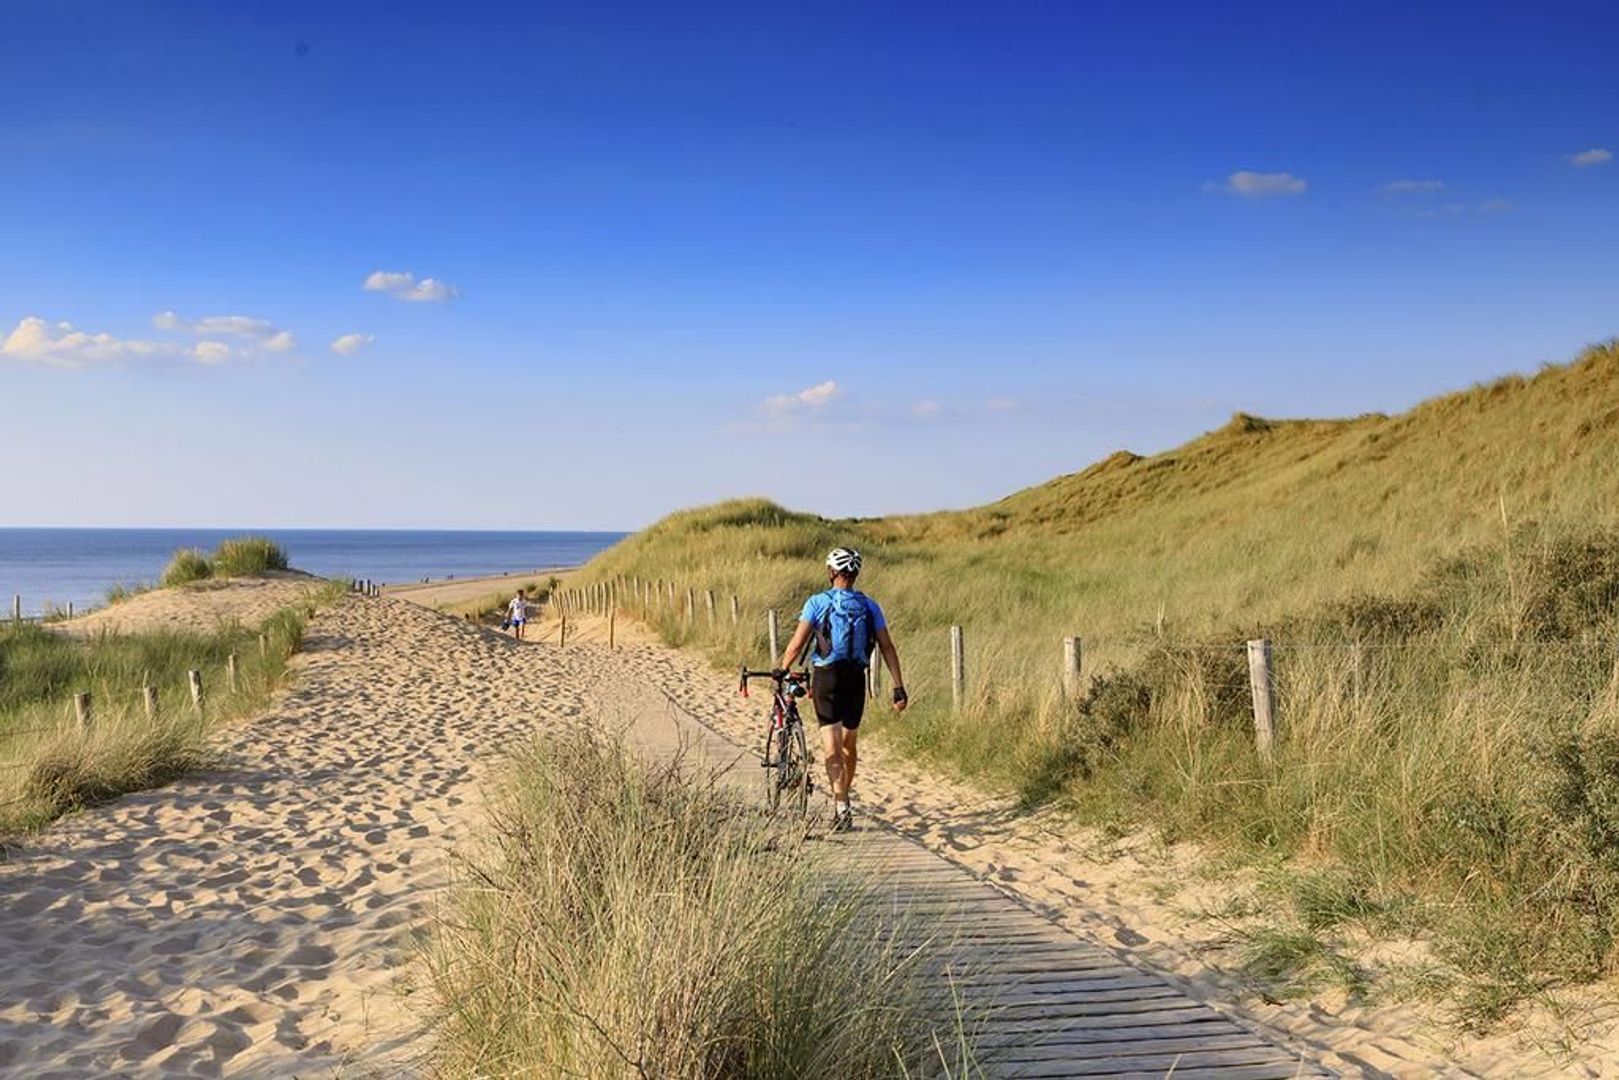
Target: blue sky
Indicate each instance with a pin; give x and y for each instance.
(860, 258)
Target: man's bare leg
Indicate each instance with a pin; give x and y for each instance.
(832, 743)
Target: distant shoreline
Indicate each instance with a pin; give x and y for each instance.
(52, 568)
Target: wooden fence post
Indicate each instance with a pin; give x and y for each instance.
(264, 647)
(958, 667)
(708, 595)
(775, 647)
(81, 709)
(1261, 679)
(16, 608)
(70, 609)
(1070, 667)
(563, 640)
(612, 628)
(149, 699)
(194, 677)
(736, 610)
(230, 671)
(691, 602)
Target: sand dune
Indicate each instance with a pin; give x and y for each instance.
(200, 607)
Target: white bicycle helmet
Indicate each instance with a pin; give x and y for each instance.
(843, 561)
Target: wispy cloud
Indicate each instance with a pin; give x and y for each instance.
(1260, 185)
(1000, 405)
(353, 344)
(404, 285)
(1411, 187)
(927, 409)
(213, 353)
(260, 335)
(809, 399)
(1594, 156)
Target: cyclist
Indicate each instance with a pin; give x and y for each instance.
(847, 625)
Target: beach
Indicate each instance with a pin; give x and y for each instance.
(261, 918)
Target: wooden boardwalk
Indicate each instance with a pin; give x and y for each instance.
(1042, 1000)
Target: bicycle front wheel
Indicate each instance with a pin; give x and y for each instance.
(774, 761)
(798, 772)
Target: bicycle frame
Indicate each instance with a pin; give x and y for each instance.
(786, 753)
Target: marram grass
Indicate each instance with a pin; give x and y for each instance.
(629, 920)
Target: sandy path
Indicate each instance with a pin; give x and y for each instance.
(257, 920)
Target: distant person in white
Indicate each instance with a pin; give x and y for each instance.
(517, 613)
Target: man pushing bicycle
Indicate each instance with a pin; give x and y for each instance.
(847, 625)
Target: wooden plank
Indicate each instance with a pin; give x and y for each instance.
(1161, 1021)
(1158, 1064)
(1070, 1048)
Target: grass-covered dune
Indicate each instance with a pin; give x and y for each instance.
(51, 763)
(1440, 587)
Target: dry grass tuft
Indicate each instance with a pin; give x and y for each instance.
(640, 922)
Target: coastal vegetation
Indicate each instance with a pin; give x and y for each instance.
(51, 762)
(635, 920)
(1440, 587)
(241, 556)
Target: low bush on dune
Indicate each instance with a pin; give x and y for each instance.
(241, 556)
(248, 555)
(186, 566)
(632, 921)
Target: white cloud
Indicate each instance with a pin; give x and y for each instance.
(36, 341)
(927, 409)
(1594, 156)
(1258, 185)
(212, 353)
(281, 341)
(1408, 187)
(352, 344)
(403, 285)
(806, 400)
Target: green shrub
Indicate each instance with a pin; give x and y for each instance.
(186, 566)
(247, 555)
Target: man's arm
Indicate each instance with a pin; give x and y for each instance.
(796, 645)
(885, 644)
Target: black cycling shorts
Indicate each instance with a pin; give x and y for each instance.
(840, 693)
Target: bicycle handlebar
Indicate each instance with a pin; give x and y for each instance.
(778, 676)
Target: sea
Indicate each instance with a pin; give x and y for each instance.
(50, 568)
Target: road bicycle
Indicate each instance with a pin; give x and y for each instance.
(786, 759)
